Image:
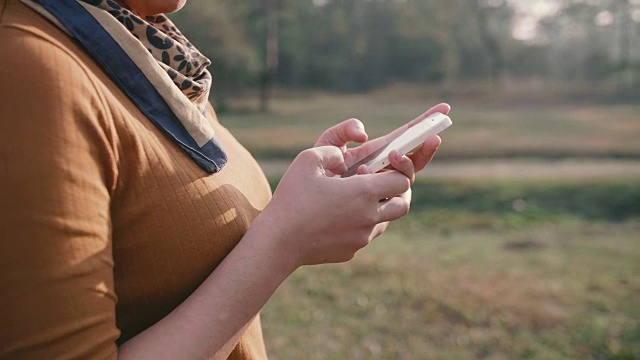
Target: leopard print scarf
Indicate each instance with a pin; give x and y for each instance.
(184, 64)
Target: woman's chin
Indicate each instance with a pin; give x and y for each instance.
(154, 7)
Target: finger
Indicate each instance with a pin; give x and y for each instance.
(343, 133)
(363, 169)
(395, 207)
(378, 230)
(327, 158)
(358, 153)
(425, 153)
(383, 185)
(403, 164)
(441, 108)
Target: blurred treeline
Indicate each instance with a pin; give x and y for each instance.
(359, 45)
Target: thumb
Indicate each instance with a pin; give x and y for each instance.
(330, 158)
(343, 133)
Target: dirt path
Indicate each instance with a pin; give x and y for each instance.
(582, 169)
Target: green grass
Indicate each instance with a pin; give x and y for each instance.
(468, 276)
(606, 200)
(467, 295)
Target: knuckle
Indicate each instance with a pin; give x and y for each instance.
(307, 155)
(334, 151)
(406, 207)
(361, 240)
(408, 194)
(344, 255)
(353, 122)
(406, 184)
(403, 183)
(315, 153)
(372, 218)
(318, 155)
(327, 133)
(308, 152)
(348, 256)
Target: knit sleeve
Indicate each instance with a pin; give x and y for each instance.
(57, 174)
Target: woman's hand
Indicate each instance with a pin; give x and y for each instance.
(352, 130)
(319, 218)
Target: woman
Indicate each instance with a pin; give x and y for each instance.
(134, 225)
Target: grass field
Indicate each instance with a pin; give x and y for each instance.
(550, 291)
(479, 131)
(484, 266)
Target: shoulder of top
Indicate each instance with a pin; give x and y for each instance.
(15, 15)
(29, 39)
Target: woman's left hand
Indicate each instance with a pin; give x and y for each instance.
(352, 130)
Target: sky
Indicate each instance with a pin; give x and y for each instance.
(530, 12)
(528, 15)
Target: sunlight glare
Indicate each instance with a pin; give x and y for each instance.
(604, 18)
(526, 29)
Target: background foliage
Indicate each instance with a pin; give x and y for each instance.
(358, 45)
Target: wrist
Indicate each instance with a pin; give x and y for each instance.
(268, 235)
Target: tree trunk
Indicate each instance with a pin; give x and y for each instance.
(497, 62)
(271, 54)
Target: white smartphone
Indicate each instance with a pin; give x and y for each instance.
(404, 143)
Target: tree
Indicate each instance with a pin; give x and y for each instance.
(218, 29)
(271, 52)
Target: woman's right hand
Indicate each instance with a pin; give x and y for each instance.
(318, 218)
